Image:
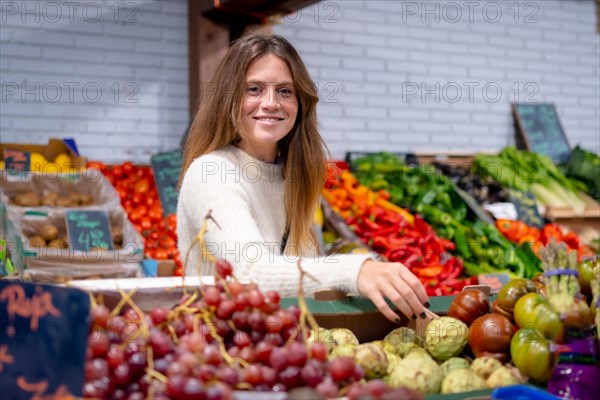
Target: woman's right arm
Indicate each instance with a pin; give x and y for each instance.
(240, 241)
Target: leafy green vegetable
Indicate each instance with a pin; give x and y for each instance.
(584, 168)
(526, 171)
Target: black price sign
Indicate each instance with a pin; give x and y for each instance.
(166, 168)
(17, 161)
(526, 206)
(541, 131)
(43, 340)
(89, 229)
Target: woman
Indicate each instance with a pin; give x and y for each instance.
(254, 157)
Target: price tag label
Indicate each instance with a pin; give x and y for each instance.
(494, 281)
(43, 339)
(17, 161)
(89, 229)
(166, 168)
(541, 130)
(526, 206)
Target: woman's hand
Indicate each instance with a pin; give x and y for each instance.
(377, 280)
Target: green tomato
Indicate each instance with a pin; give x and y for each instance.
(530, 352)
(587, 270)
(512, 292)
(532, 311)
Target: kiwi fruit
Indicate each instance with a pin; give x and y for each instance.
(58, 244)
(85, 199)
(28, 199)
(36, 241)
(63, 201)
(49, 199)
(48, 232)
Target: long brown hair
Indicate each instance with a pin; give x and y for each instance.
(302, 151)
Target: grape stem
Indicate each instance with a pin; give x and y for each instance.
(304, 311)
(204, 253)
(121, 303)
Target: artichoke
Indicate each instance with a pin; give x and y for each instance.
(402, 340)
(446, 337)
(502, 377)
(462, 380)
(372, 359)
(454, 363)
(417, 372)
(336, 337)
(345, 350)
(483, 367)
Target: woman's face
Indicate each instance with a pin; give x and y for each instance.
(269, 107)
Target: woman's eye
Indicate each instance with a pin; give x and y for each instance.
(286, 92)
(253, 90)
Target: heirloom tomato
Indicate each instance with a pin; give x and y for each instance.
(530, 352)
(469, 305)
(512, 292)
(490, 336)
(533, 311)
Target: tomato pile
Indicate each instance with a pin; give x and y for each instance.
(139, 197)
(519, 232)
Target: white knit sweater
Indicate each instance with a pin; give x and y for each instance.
(246, 197)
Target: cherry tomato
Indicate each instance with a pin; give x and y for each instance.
(117, 172)
(137, 198)
(151, 200)
(155, 213)
(142, 186)
(128, 168)
(145, 223)
(160, 254)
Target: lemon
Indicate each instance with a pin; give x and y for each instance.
(37, 162)
(53, 168)
(64, 162)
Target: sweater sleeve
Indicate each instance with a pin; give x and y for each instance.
(239, 240)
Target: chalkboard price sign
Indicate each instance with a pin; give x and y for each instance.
(526, 206)
(17, 161)
(166, 168)
(89, 229)
(43, 340)
(540, 130)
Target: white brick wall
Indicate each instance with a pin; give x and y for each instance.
(366, 56)
(373, 51)
(130, 55)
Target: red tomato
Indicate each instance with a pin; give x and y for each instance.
(135, 217)
(123, 194)
(137, 198)
(142, 186)
(142, 209)
(169, 242)
(100, 166)
(153, 235)
(150, 200)
(155, 213)
(117, 171)
(146, 223)
(160, 254)
(172, 220)
(128, 168)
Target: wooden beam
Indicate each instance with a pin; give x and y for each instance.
(208, 44)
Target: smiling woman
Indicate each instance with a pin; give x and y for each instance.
(254, 157)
